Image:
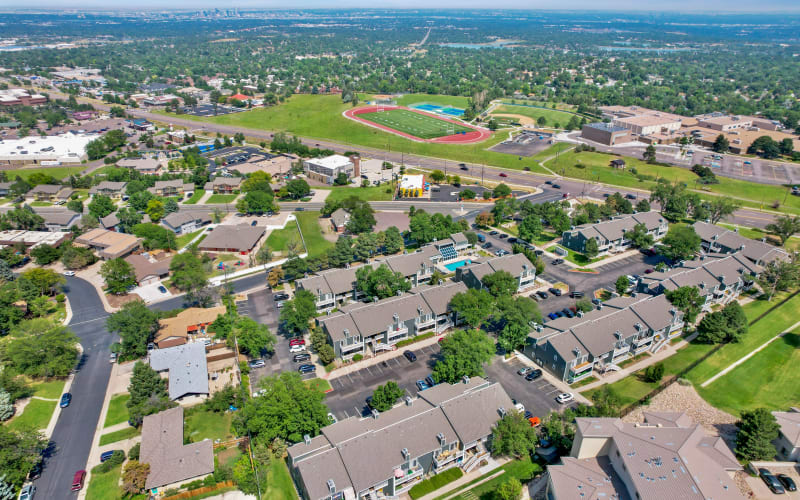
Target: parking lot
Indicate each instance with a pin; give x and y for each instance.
(446, 192)
(350, 391)
(538, 396)
(526, 143)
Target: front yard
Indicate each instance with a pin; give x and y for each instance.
(221, 198)
(117, 411)
(36, 415)
(105, 485)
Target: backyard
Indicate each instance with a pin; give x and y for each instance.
(200, 424)
(316, 244)
(279, 482)
(524, 470)
(184, 239)
(279, 239)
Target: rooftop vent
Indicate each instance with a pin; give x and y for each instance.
(404, 451)
(501, 411)
(409, 401)
(465, 379)
(441, 439)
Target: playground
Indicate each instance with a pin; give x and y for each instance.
(417, 125)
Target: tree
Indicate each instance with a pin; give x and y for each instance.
(786, 146)
(41, 348)
(643, 205)
(252, 337)
(381, 282)
(514, 316)
(688, 300)
(136, 326)
(541, 121)
(530, 228)
(591, 249)
(77, 257)
(778, 276)
(362, 219)
(727, 325)
(393, 240)
(287, 409)
(148, 393)
(639, 236)
(384, 396)
(25, 218)
(296, 313)
(784, 227)
(757, 430)
(128, 218)
(622, 284)
(500, 283)
(298, 188)
(188, 273)
(467, 194)
(75, 205)
(155, 209)
(501, 191)
(101, 206)
(155, 236)
(170, 206)
(473, 306)
(275, 276)
(6, 406)
(484, 219)
(721, 144)
(649, 154)
(512, 488)
(653, 373)
(437, 176)
(118, 275)
(681, 242)
(45, 280)
(464, 354)
(20, 450)
(134, 477)
(45, 254)
(513, 435)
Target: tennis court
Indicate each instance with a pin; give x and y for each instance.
(416, 124)
(434, 108)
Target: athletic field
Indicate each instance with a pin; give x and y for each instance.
(413, 123)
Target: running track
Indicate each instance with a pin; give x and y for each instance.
(477, 134)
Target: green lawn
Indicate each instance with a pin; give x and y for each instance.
(551, 115)
(201, 424)
(435, 482)
(575, 257)
(36, 415)
(319, 383)
(544, 238)
(372, 193)
(113, 437)
(57, 172)
(413, 123)
(438, 99)
(279, 485)
(184, 239)
(49, 390)
(40, 204)
(221, 198)
(524, 470)
(316, 244)
(196, 195)
(596, 168)
(105, 486)
(278, 240)
(767, 380)
(117, 411)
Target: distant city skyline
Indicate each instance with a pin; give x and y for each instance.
(677, 6)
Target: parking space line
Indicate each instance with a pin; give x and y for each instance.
(368, 370)
(348, 376)
(345, 414)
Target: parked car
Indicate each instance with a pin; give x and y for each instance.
(280, 296)
(429, 380)
(576, 294)
(556, 186)
(66, 399)
(481, 238)
(533, 375)
(596, 301)
(552, 316)
(555, 291)
(297, 342)
(254, 223)
(106, 455)
(542, 294)
(512, 240)
(787, 482)
(564, 397)
(487, 245)
(463, 167)
(306, 369)
(303, 356)
(77, 480)
(567, 313)
(69, 273)
(279, 305)
(421, 385)
(113, 358)
(162, 289)
(771, 481)
(493, 232)
(559, 314)
(27, 492)
(503, 236)
(297, 348)
(524, 371)
(535, 421)
(410, 356)
(257, 363)
(630, 196)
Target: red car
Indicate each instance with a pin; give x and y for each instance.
(297, 342)
(503, 175)
(77, 481)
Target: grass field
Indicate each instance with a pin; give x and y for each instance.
(316, 244)
(49, 390)
(184, 239)
(575, 257)
(278, 240)
(196, 196)
(202, 424)
(439, 99)
(57, 172)
(105, 485)
(372, 193)
(319, 383)
(221, 198)
(117, 411)
(551, 115)
(36, 415)
(113, 437)
(523, 470)
(413, 123)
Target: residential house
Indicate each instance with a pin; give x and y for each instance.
(719, 278)
(60, 221)
(5, 188)
(720, 240)
(335, 287)
(148, 271)
(172, 462)
(185, 222)
(188, 324)
(517, 265)
(110, 222)
(572, 348)
(146, 166)
(109, 244)
(175, 187)
(339, 219)
(224, 185)
(113, 190)
(378, 326)
(666, 456)
(184, 367)
(241, 238)
(386, 454)
(788, 442)
(46, 192)
(610, 234)
(31, 239)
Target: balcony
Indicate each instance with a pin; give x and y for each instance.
(402, 476)
(424, 322)
(446, 458)
(396, 334)
(642, 341)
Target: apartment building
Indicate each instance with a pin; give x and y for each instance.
(377, 326)
(386, 454)
(146, 166)
(666, 456)
(335, 287)
(113, 190)
(788, 442)
(224, 185)
(717, 239)
(573, 348)
(517, 265)
(328, 169)
(175, 187)
(718, 278)
(610, 234)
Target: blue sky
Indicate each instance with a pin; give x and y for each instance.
(676, 6)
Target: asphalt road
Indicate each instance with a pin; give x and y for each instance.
(72, 437)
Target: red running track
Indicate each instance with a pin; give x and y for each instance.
(477, 134)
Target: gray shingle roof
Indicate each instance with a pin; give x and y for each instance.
(340, 217)
(240, 237)
(755, 250)
(188, 372)
(790, 425)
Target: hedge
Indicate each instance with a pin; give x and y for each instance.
(418, 338)
(435, 482)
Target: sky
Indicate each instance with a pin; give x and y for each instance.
(676, 6)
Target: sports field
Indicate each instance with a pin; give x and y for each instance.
(413, 123)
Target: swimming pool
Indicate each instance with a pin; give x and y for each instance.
(459, 263)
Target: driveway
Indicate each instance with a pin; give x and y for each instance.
(350, 391)
(150, 293)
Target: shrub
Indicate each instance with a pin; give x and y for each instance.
(133, 453)
(358, 357)
(653, 373)
(424, 336)
(60, 298)
(117, 457)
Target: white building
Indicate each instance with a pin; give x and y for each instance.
(50, 150)
(327, 169)
(412, 182)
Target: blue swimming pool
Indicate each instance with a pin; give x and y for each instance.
(459, 263)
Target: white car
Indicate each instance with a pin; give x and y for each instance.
(69, 273)
(565, 397)
(297, 348)
(520, 407)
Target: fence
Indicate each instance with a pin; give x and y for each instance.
(673, 378)
(201, 491)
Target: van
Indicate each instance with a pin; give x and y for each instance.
(77, 481)
(481, 238)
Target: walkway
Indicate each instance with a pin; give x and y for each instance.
(467, 478)
(749, 355)
(542, 162)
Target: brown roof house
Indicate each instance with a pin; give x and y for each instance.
(113, 190)
(144, 166)
(172, 462)
(189, 322)
(148, 271)
(49, 192)
(109, 244)
(224, 185)
(175, 187)
(240, 238)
